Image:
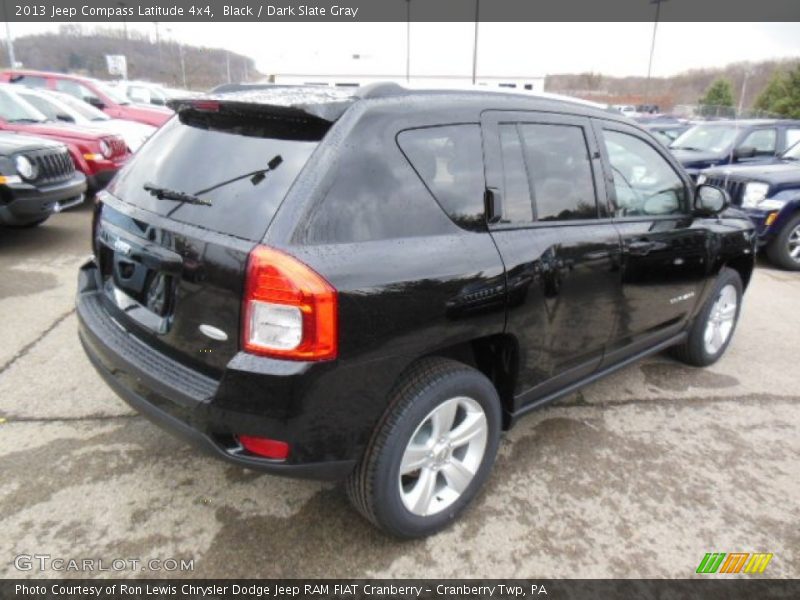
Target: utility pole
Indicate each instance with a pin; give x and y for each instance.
(183, 65)
(475, 43)
(408, 41)
(652, 49)
(12, 62)
(158, 41)
(744, 89)
(228, 64)
(124, 20)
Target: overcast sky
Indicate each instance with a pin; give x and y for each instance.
(504, 49)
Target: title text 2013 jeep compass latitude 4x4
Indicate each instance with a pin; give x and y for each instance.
(372, 286)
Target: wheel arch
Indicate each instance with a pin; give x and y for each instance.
(496, 356)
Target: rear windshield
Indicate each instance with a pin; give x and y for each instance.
(191, 154)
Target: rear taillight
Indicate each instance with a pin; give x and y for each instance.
(273, 449)
(289, 310)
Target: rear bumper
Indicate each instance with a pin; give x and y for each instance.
(177, 398)
(29, 203)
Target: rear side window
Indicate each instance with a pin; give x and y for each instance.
(547, 174)
(199, 154)
(560, 172)
(449, 160)
(517, 207)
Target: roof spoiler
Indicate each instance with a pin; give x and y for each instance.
(287, 102)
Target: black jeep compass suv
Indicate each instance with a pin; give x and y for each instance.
(371, 286)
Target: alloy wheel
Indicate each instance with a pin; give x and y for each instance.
(721, 320)
(443, 456)
(793, 243)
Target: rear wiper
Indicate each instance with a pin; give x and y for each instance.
(690, 148)
(163, 193)
(256, 177)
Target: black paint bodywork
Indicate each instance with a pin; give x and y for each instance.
(539, 309)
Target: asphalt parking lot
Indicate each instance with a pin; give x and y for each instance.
(636, 476)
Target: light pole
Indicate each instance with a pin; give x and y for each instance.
(180, 55)
(652, 48)
(475, 42)
(408, 41)
(10, 43)
(124, 20)
(183, 65)
(744, 89)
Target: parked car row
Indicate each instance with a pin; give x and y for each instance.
(63, 137)
(758, 162)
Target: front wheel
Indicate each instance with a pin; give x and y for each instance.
(432, 451)
(784, 250)
(713, 328)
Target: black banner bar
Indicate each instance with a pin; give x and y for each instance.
(711, 588)
(397, 10)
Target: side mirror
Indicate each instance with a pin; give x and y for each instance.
(95, 101)
(710, 200)
(744, 152)
(64, 117)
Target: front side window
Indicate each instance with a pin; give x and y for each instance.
(644, 182)
(707, 138)
(764, 141)
(31, 81)
(449, 159)
(73, 88)
(15, 110)
(44, 106)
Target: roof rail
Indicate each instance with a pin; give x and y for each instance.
(381, 89)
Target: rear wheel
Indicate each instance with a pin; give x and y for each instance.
(784, 250)
(713, 328)
(432, 451)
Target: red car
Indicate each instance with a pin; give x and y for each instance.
(97, 154)
(95, 92)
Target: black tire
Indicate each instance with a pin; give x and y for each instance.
(693, 351)
(778, 249)
(374, 487)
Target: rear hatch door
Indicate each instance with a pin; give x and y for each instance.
(173, 272)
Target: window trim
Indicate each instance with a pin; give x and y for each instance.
(611, 194)
(490, 126)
